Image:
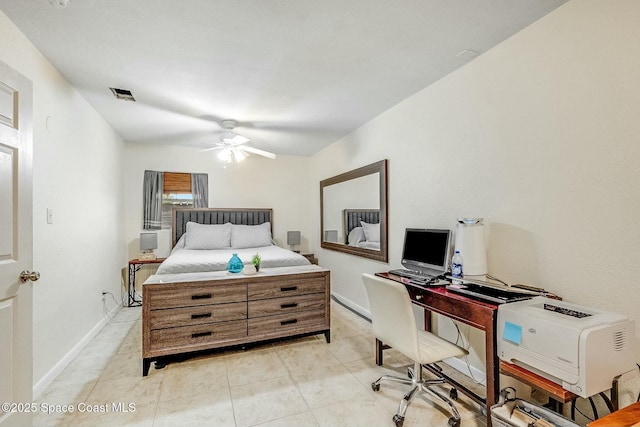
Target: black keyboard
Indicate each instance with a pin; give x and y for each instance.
(488, 293)
(411, 274)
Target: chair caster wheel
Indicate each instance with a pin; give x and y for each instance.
(453, 394)
(453, 422)
(398, 420)
(375, 387)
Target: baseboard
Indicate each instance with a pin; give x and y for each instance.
(458, 364)
(357, 309)
(57, 369)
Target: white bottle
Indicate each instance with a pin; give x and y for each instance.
(456, 268)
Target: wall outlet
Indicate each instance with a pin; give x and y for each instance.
(49, 216)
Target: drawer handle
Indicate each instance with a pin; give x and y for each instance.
(200, 316)
(201, 296)
(291, 305)
(288, 288)
(201, 334)
(289, 322)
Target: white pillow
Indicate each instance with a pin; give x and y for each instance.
(208, 236)
(356, 236)
(180, 244)
(250, 236)
(371, 231)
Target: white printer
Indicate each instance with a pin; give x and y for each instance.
(580, 348)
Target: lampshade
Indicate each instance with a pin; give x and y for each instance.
(293, 237)
(148, 241)
(331, 235)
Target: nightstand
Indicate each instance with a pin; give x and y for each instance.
(135, 265)
(312, 259)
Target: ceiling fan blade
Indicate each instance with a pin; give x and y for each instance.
(239, 139)
(212, 148)
(258, 152)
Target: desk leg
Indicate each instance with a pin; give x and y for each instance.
(379, 348)
(493, 373)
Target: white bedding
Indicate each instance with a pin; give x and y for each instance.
(193, 261)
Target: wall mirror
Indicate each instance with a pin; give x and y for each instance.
(353, 212)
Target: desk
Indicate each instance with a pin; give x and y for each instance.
(134, 266)
(479, 314)
(626, 417)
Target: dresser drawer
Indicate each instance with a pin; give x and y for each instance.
(194, 295)
(269, 307)
(274, 289)
(185, 316)
(273, 325)
(199, 334)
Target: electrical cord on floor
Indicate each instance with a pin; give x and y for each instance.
(460, 339)
(104, 304)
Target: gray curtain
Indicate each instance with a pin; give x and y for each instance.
(200, 190)
(152, 200)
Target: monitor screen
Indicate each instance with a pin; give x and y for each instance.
(426, 249)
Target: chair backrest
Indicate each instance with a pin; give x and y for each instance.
(392, 316)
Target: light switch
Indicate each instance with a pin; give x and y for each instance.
(49, 216)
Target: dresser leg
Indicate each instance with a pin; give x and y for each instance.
(146, 364)
(327, 336)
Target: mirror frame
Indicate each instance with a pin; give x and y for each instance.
(381, 255)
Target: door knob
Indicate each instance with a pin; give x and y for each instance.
(29, 275)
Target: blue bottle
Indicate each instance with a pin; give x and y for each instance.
(235, 264)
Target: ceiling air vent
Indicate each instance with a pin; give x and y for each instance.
(123, 94)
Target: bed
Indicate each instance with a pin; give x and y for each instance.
(362, 227)
(193, 303)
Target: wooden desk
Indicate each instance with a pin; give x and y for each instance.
(626, 417)
(479, 314)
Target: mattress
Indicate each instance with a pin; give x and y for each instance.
(195, 261)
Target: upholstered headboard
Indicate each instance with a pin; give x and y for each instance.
(352, 218)
(240, 216)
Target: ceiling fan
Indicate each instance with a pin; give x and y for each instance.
(232, 146)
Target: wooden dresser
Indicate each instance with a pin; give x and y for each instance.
(195, 312)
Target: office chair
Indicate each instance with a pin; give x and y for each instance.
(395, 325)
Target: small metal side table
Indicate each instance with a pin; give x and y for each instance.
(134, 266)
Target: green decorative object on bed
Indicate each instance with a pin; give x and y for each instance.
(235, 264)
(256, 261)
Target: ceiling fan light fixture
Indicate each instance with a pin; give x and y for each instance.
(225, 155)
(239, 155)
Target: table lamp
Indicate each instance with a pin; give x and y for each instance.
(148, 242)
(293, 238)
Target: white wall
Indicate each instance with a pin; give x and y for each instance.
(281, 184)
(76, 173)
(539, 136)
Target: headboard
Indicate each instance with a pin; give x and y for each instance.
(240, 216)
(352, 218)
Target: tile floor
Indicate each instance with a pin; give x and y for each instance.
(301, 382)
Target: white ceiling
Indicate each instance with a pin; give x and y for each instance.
(296, 74)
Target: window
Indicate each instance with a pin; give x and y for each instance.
(165, 190)
(176, 192)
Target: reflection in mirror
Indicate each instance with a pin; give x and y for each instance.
(353, 212)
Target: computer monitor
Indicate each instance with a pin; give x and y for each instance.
(426, 251)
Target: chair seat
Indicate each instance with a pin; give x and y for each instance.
(434, 349)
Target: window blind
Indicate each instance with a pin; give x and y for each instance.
(177, 183)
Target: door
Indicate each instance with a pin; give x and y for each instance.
(16, 252)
